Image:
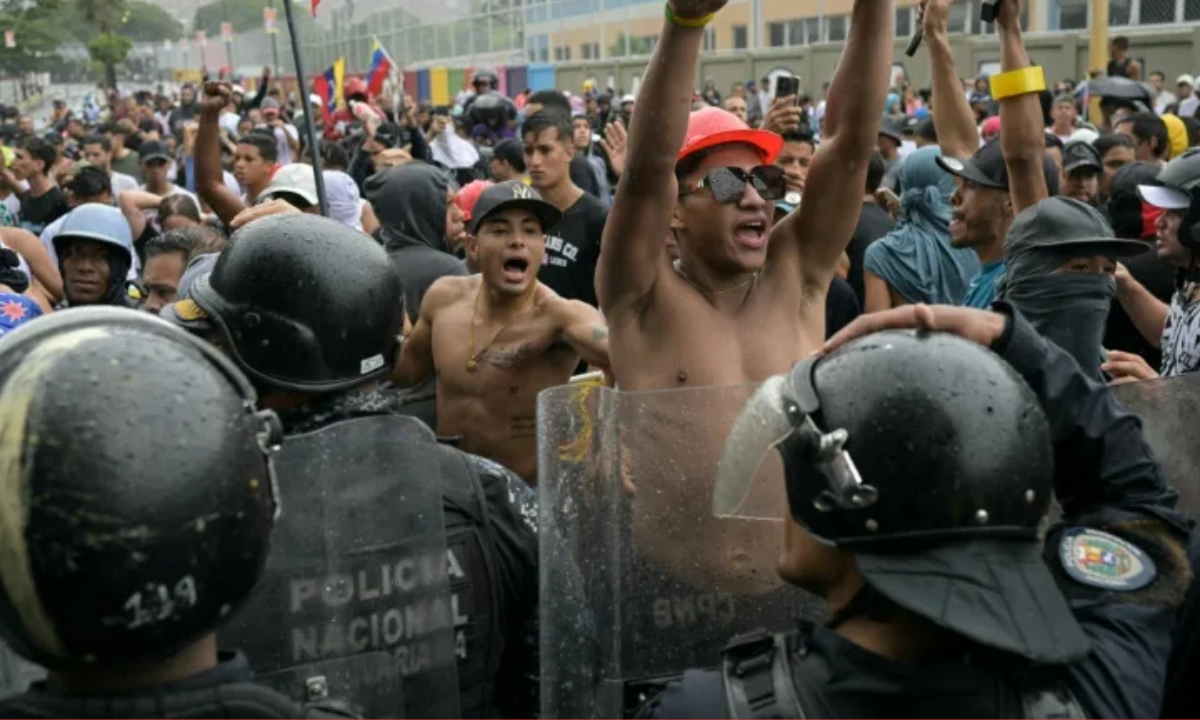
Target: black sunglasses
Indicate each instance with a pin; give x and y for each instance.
(728, 184)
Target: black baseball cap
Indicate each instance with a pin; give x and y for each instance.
(153, 150)
(513, 194)
(388, 134)
(1078, 155)
(1060, 223)
(891, 128)
(986, 167)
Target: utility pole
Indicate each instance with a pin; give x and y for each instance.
(275, 47)
(1098, 49)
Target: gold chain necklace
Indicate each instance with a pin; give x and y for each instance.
(679, 270)
(472, 356)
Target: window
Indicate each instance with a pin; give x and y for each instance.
(904, 16)
(957, 22)
(585, 51)
(1120, 11)
(567, 53)
(1072, 14)
(558, 54)
(710, 38)
(835, 26)
(777, 34)
(1157, 12)
(739, 37)
(812, 31)
(1191, 11)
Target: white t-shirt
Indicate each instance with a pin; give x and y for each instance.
(229, 121)
(122, 182)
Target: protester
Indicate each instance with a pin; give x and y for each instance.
(124, 159)
(795, 158)
(95, 252)
(508, 161)
(873, 223)
(573, 247)
(1116, 151)
(1148, 133)
(521, 337)
(1082, 169)
(42, 202)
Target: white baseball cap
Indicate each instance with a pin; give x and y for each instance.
(1185, 79)
(294, 179)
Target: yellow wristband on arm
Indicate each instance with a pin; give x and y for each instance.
(686, 21)
(1018, 82)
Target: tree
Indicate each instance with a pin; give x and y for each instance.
(108, 48)
(37, 37)
(143, 22)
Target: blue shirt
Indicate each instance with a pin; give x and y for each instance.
(982, 290)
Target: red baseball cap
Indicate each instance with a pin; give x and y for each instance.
(710, 127)
(469, 194)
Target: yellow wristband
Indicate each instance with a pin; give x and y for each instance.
(686, 21)
(1018, 82)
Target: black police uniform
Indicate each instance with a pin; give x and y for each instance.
(226, 690)
(491, 537)
(309, 305)
(1106, 479)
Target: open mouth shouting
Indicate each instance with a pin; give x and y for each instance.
(515, 269)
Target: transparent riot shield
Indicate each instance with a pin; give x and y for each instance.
(1168, 409)
(639, 579)
(355, 605)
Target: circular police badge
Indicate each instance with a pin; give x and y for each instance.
(1105, 561)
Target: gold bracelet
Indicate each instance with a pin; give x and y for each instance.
(1018, 82)
(685, 21)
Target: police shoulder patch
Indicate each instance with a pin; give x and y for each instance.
(1101, 560)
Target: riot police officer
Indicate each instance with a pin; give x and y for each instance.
(119, 571)
(924, 538)
(312, 312)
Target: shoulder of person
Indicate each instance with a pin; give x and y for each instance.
(446, 290)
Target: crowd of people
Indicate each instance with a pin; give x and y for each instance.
(473, 256)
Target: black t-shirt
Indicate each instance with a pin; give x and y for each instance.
(1120, 333)
(572, 249)
(38, 211)
(873, 223)
(841, 307)
(583, 177)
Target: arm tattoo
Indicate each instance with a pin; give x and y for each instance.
(599, 333)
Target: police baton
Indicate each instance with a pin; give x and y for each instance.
(313, 143)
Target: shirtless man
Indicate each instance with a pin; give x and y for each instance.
(498, 338)
(746, 299)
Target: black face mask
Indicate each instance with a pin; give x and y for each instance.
(1070, 309)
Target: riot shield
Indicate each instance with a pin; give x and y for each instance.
(639, 579)
(1168, 410)
(355, 605)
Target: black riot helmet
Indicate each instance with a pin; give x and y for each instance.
(140, 490)
(485, 76)
(305, 303)
(1180, 177)
(930, 459)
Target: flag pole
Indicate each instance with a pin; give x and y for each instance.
(301, 80)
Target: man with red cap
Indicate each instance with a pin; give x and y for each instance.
(746, 298)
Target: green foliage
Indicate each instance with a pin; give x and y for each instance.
(144, 22)
(109, 48)
(244, 14)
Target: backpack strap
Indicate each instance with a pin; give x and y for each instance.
(760, 681)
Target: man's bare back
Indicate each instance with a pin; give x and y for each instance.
(516, 356)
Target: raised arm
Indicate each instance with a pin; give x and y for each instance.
(133, 204)
(210, 180)
(44, 269)
(957, 135)
(584, 330)
(632, 248)
(820, 231)
(1022, 135)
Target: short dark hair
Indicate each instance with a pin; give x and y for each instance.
(1120, 42)
(550, 99)
(1108, 141)
(175, 241)
(800, 137)
(876, 169)
(511, 152)
(39, 149)
(543, 120)
(1148, 126)
(265, 144)
(178, 204)
(100, 140)
(1159, 73)
(334, 157)
(90, 182)
(927, 130)
(148, 125)
(112, 127)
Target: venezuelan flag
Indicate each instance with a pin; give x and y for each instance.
(381, 66)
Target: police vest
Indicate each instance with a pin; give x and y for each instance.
(476, 602)
(761, 682)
